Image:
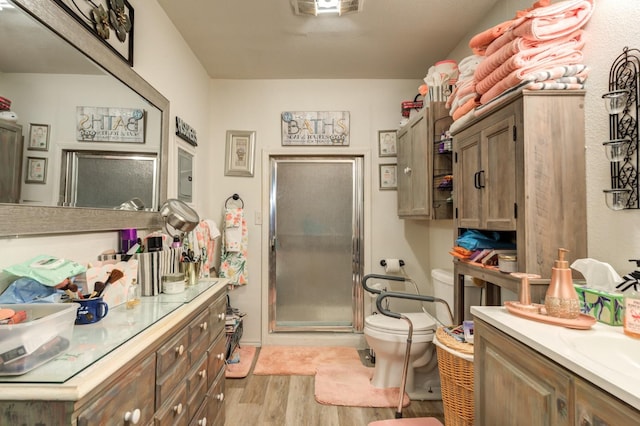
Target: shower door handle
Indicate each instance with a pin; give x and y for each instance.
(273, 243)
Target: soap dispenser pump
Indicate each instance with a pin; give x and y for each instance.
(561, 300)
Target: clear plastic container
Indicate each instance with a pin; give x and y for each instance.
(45, 334)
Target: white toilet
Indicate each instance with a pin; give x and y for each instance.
(387, 337)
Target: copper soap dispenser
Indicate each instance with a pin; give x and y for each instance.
(561, 300)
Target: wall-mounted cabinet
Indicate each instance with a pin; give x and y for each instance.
(11, 142)
(424, 168)
(520, 169)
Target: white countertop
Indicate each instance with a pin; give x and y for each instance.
(607, 366)
(99, 350)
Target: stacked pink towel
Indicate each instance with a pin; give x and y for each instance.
(539, 40)
(464, 97)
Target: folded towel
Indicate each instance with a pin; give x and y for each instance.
(556, 20)
(524, 54)
(233, 219)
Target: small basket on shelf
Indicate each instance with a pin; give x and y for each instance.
(455, 363)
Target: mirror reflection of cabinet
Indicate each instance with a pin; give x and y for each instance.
(11, 142)
(185, 176)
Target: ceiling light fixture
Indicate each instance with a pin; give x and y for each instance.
(326, 7)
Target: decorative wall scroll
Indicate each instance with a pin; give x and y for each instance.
(111, 21)
(324, 128)
(105, 124)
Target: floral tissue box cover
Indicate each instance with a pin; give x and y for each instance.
(604, 306)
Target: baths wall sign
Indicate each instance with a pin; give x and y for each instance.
(107, 124)
(186, 132)
(326, 128)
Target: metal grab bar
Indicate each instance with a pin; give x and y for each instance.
(380, 277)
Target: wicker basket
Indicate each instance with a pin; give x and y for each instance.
(455, 362)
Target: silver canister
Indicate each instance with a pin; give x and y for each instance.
(507, 263)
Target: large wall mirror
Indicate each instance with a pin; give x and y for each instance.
(53, 70)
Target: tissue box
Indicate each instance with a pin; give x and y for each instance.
(604, 306)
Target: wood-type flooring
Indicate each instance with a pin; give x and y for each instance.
(289, 401)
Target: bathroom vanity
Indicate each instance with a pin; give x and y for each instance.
(159, 363)
(538, 374)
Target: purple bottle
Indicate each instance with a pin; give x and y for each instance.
(128, 239)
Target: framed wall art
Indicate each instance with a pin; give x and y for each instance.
(239, 156)
(387, 143)
(111, 21)
(388, 176)
(36, 170)
(38, 137)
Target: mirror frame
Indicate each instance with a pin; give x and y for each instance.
(23, 220)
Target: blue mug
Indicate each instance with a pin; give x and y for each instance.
(91, 310)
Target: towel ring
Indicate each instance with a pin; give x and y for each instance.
(234, 197)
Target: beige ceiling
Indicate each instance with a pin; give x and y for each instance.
(263, 39)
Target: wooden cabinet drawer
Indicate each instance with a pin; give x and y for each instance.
(197, 386)
(131, 395)
(215, 401)
(218, 311)
(174, 411)
(216, 357)
(199, 336)
(173, 364)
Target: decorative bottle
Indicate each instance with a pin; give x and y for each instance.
(632, 314)
(561, 300)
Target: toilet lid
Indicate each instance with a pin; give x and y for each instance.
(422, 323)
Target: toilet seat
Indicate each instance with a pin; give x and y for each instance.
(423, 324)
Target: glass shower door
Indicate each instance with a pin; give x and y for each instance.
(316, 234)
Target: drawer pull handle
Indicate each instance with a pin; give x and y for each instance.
(177, 408)
(180, 350)
(220, 356)
(132, 417)
(203, 374)
(203, 326)
(220, 396)
(202, 422)
(221, 316)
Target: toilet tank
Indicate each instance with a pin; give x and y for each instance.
(443, 288)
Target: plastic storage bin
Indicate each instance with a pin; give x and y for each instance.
(42, 336)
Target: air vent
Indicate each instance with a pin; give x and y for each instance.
(326, 7)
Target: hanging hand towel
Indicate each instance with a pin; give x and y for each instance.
(206, 234)
(233, 262)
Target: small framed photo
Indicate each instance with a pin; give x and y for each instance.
(388, 176)
(387, 143)
(239, 156)
(38, 137)
(36, 170)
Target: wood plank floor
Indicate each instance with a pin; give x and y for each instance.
(290, 401)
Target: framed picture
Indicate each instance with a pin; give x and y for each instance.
(38, 137)
(36, 170)
(387, 143)
(388, 176)
(239, 153)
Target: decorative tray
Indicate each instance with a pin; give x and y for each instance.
(583, 322)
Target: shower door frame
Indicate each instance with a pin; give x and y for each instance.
(357, 252)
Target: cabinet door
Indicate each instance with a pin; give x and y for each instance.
(404, 172)
(129, 398)
(514, 385)
(420, 168)
(497, 176)
(10, 162)
(594, 407)
(466, 173)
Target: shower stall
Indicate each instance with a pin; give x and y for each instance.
(316, 239)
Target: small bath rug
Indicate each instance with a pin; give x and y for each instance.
(241, 369)
(350, 386)
(302, 360)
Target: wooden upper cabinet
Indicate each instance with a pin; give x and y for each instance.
(419, 168)
(521, 168)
